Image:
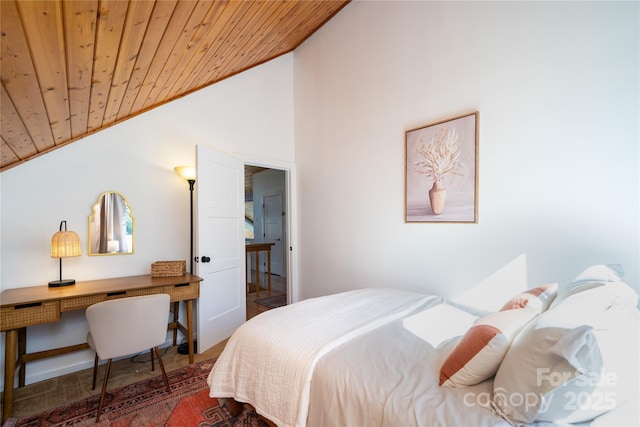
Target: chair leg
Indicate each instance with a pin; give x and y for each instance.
(153, 368)
(95, 372)
(164, 374)
(104, 390)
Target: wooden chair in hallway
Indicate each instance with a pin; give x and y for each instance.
(127, 326)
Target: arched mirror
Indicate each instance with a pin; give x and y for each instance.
(111, 226)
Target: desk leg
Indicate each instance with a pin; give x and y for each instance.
(176, 309)
(22, 350)
(257, 274)
(9, 372)
(247, 271)
(189, 305)
(269, 272)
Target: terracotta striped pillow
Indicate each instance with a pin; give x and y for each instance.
(540, 298)
(478, 354)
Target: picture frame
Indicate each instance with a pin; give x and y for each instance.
(441, 171)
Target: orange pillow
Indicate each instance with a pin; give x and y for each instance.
(478, 354)
(540, 298)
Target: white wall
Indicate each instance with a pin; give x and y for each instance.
(250, 114)
(556, 86)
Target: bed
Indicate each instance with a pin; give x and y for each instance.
(379, 357)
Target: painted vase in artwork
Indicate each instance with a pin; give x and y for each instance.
(438, 158)
(437, 197)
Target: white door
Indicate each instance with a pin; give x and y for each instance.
(220, 246)
(273, 226)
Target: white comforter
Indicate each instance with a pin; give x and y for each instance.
(389, 378)
(396, 384)
(269, 361)
(361, 358)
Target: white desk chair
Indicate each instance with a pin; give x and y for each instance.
(127, 326)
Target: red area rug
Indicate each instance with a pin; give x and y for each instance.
(147, 403)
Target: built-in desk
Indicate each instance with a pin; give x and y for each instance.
(36, 305)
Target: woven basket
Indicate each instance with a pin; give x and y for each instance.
(168, 268)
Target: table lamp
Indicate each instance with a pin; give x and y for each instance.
(64, 244)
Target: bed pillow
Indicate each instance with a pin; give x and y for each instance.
(539, 298)
(480, 351)
(428, 325)
(577, 361)
(540, 373)
(592, 277)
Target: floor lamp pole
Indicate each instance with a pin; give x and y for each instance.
(191, 184)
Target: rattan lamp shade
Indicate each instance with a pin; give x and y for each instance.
(65, 244)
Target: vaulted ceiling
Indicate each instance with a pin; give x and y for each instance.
(74, 67)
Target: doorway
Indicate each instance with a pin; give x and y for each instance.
(221, 238)
(265, 223)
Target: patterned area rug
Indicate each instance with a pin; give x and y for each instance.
(273, 302)
(147, 403)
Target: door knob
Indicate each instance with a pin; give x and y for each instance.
(206, 259)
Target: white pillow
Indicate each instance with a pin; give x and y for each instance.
(538, 376)
(429, 326)
(577, 361)
(581, 307)
(479, 352)
(592, 277)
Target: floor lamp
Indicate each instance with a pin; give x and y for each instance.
(188, 173)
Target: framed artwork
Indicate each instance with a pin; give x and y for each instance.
(441, 171)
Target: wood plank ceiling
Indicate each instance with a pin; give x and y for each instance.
(71, 68)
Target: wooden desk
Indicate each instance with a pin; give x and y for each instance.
(36, 305)
(257, 248)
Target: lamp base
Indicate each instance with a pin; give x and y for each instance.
(58, 283)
